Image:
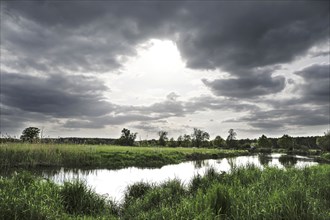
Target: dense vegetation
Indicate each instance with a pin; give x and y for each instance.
(27, 155)
(198, 139)
(245, 193)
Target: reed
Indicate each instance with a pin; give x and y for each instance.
(27, 155)
(244, 193)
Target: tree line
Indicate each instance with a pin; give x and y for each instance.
(198, 139)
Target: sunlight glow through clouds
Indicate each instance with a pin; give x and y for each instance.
(90, 69)
(155, 72)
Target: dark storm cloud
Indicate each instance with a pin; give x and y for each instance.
(240, 37)
(80, 35)
(48, 37)
(226, 35)
(309, 108)
(55, 95)
(244, 35)
(13, 119)
(316, 86)
(247, 86)
(281, 118)
(313, 91)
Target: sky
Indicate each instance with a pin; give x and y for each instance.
(92, 68)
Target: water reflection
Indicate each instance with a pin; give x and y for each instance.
(264, 159)
(114, 182)
(200, 163)
(288, 160)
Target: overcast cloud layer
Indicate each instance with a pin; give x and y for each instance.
(270, 65)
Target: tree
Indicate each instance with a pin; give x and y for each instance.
(127, 138)
(172, 143)
(231, 139)
(30, 134)
(199, 137)
(286, 142)
(179, 141)
(324, 142)
(186, 142)
(264, 142)
(162, 138)
(219, 142)
(232, 135)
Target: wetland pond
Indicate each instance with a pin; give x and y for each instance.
(113, 183)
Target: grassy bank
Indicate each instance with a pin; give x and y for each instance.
(17, 155)
(243, 194)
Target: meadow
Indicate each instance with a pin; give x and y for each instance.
(245, 193)
(26, 155)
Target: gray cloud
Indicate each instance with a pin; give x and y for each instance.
(80, 36)
(313, 91)
(12, 120)
(157, 112)
(55, 95)
(281, 118)
(244, 35)
(52, 37)
(229, 35)
(247, 86)
(203, 103)
(316, 87)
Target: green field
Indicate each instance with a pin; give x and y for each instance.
(246, 193)
(24, 155)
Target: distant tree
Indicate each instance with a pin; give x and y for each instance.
(286, 142)
(232, 135)
(127, 138)
(179, 141)
(199, 137)
(219, 142)
(162, 138)
(30, 134)
(264, 142)
(231, 139)
(186, 140)
(172, 143)
(324, 141)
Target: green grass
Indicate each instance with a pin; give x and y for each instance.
(24, 155)
(245, 193)
(26, 197)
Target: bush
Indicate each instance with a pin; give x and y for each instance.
(78, 199)
(24, 197)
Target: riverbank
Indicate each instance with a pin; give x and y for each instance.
(18, 155)
(245, 193)
(316, 154)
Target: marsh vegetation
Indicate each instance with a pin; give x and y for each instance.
(27, 155)
(247, 192)
(244, 193)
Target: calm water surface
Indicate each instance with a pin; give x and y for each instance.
(114, 182)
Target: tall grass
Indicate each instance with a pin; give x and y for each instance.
(25, 155)
(27, 197)
(244, 193)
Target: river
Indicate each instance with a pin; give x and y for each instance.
(113, 183)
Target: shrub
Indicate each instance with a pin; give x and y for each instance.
(77, 199)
